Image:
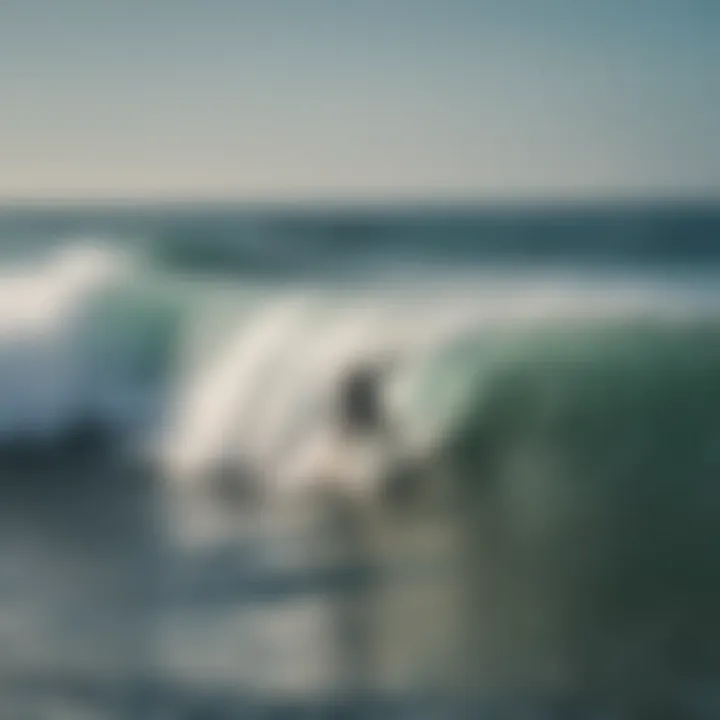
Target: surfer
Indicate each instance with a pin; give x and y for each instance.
(361, 412)
(365, 423)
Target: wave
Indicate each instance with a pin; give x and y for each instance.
(577, 423)
(261, 393)
(80, 341)
(576, 417)
(587, 460)
(316, 241)
(242, 375)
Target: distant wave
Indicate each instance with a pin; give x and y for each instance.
(319, 242)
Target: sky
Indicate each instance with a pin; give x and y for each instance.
(285, 99)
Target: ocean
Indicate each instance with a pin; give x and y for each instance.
(531, 528)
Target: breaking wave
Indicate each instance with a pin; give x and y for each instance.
(82, 339)
(240, 374)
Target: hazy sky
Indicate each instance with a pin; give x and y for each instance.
(337, 98)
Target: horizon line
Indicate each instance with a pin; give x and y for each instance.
(359, 201)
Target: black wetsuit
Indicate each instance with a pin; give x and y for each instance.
(360, 406)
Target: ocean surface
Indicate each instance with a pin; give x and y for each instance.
(187, 530)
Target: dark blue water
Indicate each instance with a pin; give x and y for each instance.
(288, 239)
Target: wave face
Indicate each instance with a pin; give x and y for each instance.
(589, 469)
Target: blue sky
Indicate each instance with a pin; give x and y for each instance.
(357, 98)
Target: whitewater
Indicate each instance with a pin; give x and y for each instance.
(200, 375)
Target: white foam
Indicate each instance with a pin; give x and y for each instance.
(51, 372)
(265, 397)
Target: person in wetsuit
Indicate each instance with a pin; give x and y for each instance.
(362, 415)
(361, 410)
